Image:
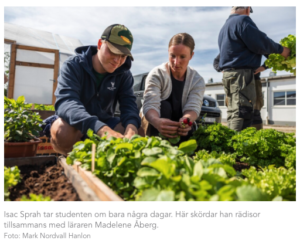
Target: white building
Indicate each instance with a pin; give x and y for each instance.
(279, 99)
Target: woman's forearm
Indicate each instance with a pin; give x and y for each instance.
(152, 117)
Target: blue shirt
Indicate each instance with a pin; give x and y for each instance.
(242, 44)
(83, 105)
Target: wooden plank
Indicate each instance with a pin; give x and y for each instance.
(55, 75)
(84, 191)
(37, 65)
(101, 190)
(38, 49)
(9, 41)
(12, 71)
(10, 162)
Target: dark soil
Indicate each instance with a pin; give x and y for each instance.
(46, 179)
(238, 166)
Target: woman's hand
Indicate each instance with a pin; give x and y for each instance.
(184, 128)
(167, 128)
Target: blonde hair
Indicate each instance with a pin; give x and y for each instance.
(184, 39)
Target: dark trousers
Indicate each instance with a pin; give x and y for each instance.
(166, 113)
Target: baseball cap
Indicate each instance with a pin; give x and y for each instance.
(236, 7)
(119, 39)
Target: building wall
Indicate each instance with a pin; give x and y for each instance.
(213, 91)
(278, 114)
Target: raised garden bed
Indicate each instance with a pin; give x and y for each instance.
(49, 177)
(103, 192)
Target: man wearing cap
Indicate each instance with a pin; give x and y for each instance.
(89, 86)
(241, 46)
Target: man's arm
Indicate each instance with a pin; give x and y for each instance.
(130, 118)
(216, 63)
(257, 41)
(263, 67)
(68, 105)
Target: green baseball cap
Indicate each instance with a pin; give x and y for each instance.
(119, 39)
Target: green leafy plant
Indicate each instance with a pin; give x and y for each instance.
(11, 178)
(263, 147)
(20, 123)
(215, 137)
(44, 107)
(276, 182)
(151, 169)
(171, 140)
(224, 158)
(118, 160)
(278, 62)
(35, 198)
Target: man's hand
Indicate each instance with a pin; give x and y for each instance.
(260, 69)
(187, 127)
(166, 127)
(286, 52)
(109, 131)
(130, 131)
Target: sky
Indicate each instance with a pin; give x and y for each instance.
(153, 27)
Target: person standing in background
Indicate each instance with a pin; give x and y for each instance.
(241, 46)
(257, 121)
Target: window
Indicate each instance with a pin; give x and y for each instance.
(137, 82)
(285, 98)
(221, 99)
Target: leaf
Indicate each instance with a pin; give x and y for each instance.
(174, 140)
(152, 151)
(165, 195)
(188, 147)
(277, 198)
(110, 156)
(149, 195)
(250, 193)
(157, 195)
(126, 145)
(146, 171)
(90, 133)
(226, 193)
(79, 145)
(148, 160)
(198, 170)
(163, 165)
(20, 100)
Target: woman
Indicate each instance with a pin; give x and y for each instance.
(173, 91)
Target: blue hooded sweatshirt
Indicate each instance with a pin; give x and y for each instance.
(242, 44)
(82, 105)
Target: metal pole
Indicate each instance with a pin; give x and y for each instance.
(267, 100)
